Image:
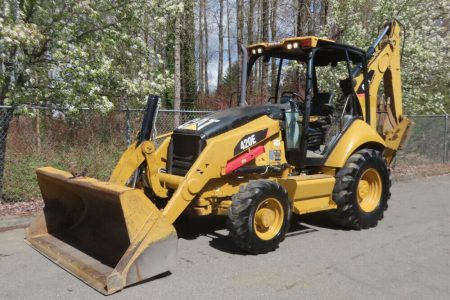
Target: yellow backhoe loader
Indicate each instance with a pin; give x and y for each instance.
(325, 140)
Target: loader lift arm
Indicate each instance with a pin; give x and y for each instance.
(131, 161)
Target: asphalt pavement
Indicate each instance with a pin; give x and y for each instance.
(406, 257)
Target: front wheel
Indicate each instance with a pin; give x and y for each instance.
(259, 216)
(362, 190)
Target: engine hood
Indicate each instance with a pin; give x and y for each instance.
(225, 120)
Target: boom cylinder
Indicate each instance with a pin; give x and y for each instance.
(149, 119)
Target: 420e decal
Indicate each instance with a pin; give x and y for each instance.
(250, 140)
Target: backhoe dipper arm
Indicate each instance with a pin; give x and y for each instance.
(386, 115)
(383, 65)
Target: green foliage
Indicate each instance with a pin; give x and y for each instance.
(232, 78)
(425, 65)
(20, 175)
(188, 60)
(84, 53)
(107, 53)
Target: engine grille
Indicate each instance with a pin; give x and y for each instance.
(184, 150)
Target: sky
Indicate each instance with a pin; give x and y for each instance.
(285, 28)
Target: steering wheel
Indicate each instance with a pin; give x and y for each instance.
(294, 96)
(300, 99)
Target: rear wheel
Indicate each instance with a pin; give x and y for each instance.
(259, 216)
(362, 190)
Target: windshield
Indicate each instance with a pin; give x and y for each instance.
(278, 76)
(275, 80)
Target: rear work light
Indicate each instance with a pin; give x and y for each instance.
(306, 43)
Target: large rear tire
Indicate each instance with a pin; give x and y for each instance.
(362, 190)
(259, 216)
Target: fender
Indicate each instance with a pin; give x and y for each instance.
(358, 134)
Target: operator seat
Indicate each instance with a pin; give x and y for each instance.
(348, 89)
(322, 107)
(322, 104)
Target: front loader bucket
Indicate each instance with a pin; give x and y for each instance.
(107, 235)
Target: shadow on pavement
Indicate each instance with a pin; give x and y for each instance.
(318, 219)
(162, 275)
(190, 228)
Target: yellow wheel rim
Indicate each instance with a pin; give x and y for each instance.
(268, 219)
(369, 190)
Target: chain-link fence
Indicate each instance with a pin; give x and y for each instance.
(429, 141)
(88, 139)
(85, 140)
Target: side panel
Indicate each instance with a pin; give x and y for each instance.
(357, 135)
(310, 193)
(211, 163)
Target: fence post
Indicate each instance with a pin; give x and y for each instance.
(38, 130)
(446, 138)
(128, 126)
(6, 115)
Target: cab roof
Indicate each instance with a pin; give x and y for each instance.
(303, 41)
(298, 48)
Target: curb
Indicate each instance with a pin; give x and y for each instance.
(14, 222)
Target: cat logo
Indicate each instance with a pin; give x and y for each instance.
(198, 124)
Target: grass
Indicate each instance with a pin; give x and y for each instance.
(20, 182)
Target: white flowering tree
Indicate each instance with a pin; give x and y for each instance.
(425, 64)
(81, 53)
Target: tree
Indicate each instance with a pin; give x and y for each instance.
(273, 30)
(239, 31)
(265, 37)
(177, 73)
(229, 37)
(201, 56)
(425, 67)
(206, 47)
(220, 63)
(251, 8)
(188, 61)
(302, 18)
(81, 53)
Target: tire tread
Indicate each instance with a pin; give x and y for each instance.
(346, 214)
(240, 210)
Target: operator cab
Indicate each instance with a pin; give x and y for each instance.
(312, 82)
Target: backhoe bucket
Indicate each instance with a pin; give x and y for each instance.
(107, 235)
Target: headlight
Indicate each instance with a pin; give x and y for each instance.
(260, 50)
(253, 51)
(289, 46)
